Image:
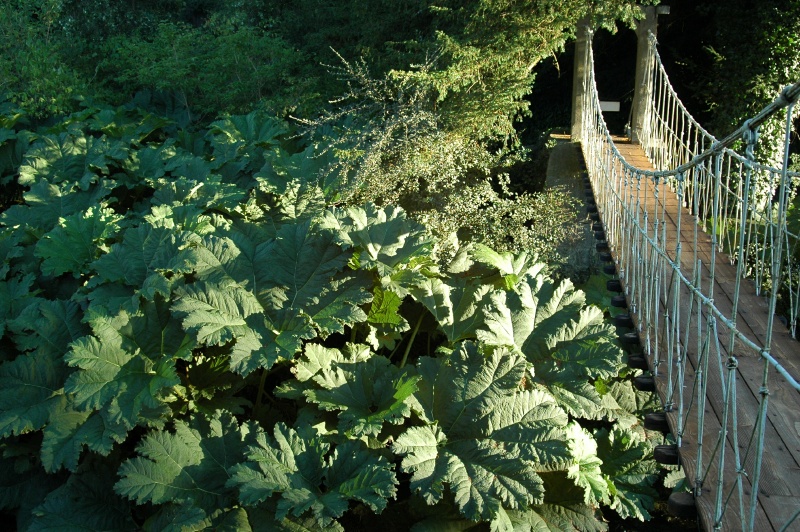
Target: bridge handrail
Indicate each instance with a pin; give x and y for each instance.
(788, 96)
(647, 240)
(681, 148)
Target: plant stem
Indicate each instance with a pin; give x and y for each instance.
(260, 395)
(411, 340)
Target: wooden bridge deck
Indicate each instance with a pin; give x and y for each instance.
(779, 487)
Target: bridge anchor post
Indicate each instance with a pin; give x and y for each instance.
(579, 78)
(642, 81)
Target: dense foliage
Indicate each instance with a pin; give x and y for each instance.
(748, 61)
(195, 335)
(418, 99)
(334, 319)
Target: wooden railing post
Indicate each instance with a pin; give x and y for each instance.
(642, 88)
(579, 78)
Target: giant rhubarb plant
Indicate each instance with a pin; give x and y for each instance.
(193, 336)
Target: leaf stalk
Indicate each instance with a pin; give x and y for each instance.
(411, 340)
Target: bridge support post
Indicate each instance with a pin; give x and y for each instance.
(579, 78)
(642, 87)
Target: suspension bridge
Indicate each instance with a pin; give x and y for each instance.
(698, 237)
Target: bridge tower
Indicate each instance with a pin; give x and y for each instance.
(642, 89)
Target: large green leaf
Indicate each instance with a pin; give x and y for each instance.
(76, 241)
(268, 341)
(562, 511)
(305, 475)
(305, 167)
(490, 438)
(630, 471)
(300, 201)
(215, 314)
(15, 296)
(152, 329)
(234, 257)
(184, 517)
(149, 162)
(569, 345)
(302, 261)
(291, 523)
(535, 303)
(254, 129)
(297, 277)
(570, 372)
(577, 396)
(367, 392)
(289, 271)
(587, 350)
(627, 406)
(85, 502)
(558, 518)
(71, 158)
(208, 193)
(386, 323)
(128, 123)
(211, 386)
(554, 301)
(69, 431)
(510, 319)
(385, 238)
(48, 326)
(122, 370)
(30, 391)
(512, 267)
(189, 465)
(31, 385)
(10, 249)
(60, 157)
(586, 469)
(190, 166)
(146, 258)
(244, 138)
(13, 153)
(123, 383)
(46, 203)
(181, 218)
(455, 304)
(339, 303)
(101, 154)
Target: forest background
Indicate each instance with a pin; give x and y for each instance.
(292, 265)
(463, 85)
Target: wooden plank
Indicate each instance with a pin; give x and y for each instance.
(751, 312)
(712, 428)
(780, 510)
